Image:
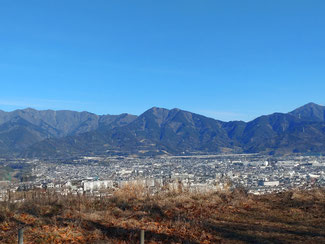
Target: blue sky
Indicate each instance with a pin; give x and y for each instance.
(231, 60)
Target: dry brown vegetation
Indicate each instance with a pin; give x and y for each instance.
(167, 217)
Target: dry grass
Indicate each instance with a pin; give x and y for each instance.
(167, 217)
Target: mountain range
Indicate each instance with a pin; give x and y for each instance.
(48, 133)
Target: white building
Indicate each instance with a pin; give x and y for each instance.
(97, 185)
(271, 183)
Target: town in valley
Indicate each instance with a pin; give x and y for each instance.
(99, 176)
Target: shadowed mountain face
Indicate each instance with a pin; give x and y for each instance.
(19, 133)
(63, 123)
(176, 131)
(283, 133)
(22, 128)
(156, 131)
(310, 112)
(159, 131)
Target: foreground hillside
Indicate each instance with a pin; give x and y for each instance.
(169, 217)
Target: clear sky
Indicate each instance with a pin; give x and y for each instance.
(230, 60)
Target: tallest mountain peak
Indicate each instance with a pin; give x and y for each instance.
(311, 104)
(310, 111)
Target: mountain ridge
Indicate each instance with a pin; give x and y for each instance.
(159, 131)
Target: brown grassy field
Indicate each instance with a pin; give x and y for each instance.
(167, 217)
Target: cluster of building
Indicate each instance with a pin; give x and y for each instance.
(96, 175)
